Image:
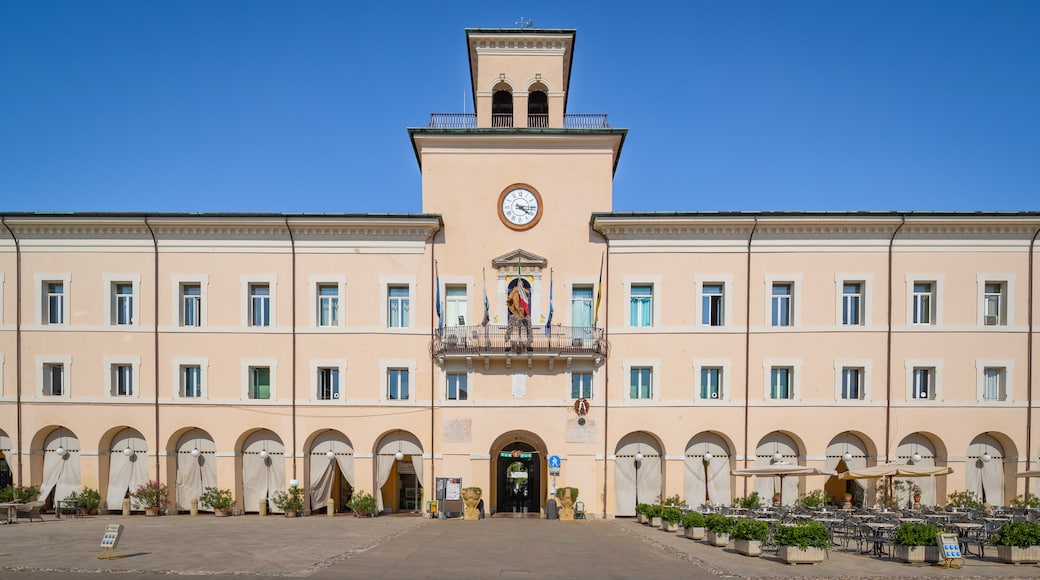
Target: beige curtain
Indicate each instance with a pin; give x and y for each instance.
(855, 446)
(323, 470)
(767, 486)
(126, 473)
(61, 474)
(404, 442)
(985, 478)
(194, 474)
(719, 481)
(707, 480)
(262, 478)
(417, 462)
(904, 453)
(695, 486)
(625, 486)
(384, 464)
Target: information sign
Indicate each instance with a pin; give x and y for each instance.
(950, 550)
(454, 490)
(109, 540)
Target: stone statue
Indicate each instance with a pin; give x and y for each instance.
(567, 497)
(470, 499)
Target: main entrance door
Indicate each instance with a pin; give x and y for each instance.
(519, 479)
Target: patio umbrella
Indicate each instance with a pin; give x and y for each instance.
(781, 470)
(890, 470)
(1029, 473)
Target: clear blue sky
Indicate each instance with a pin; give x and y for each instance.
(229, 106)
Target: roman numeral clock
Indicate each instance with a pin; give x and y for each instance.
(520, 207)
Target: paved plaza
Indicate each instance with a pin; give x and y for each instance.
(403, 547)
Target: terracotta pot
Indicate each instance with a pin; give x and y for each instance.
(220, 512)
(151, 511)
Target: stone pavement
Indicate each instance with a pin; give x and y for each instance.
(403, 547)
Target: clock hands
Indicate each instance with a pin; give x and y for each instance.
(524, 208)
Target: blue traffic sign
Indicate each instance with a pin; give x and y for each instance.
(554, 461)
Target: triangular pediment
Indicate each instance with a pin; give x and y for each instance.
(523, 257)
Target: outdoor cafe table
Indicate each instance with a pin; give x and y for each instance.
(879, 529)
(11, 511)
(911, 520)
(963, 529)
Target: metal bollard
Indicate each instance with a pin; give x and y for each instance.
(194, 509)
(330, 507)
(263, 507)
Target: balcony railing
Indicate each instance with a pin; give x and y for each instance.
(499, 120)
(501, 339)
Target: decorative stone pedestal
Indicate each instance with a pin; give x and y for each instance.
(566, 502)
(470, 499)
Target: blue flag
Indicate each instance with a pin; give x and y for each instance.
(548, 321)
(440, 316)
(487, 313)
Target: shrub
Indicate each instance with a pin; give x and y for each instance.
(718, 523)
(673, 501)
(750, 502)
(963, 499)
(152, 494)
(1019, 534)
(20, 494)
(814, 499)
(574, 492)
(362, 504)
(692, 520)
(915, 535)
(289, 502)
(671, 514)
(642, 508)
(1021, 502)
(803, 535)
(748, 529)
(654, 511)
(216, 498)
(87, 500)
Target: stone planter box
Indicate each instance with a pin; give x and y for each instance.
(716, 539)
(795, 555)
(748, 547)
(640, 518)
(655, 522)
(1016, 555)
(695, 533)
(916, 554)
(667, 526)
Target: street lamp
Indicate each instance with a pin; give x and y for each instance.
(128, 452)
(60, 451)
(639, 459)
(195, 452)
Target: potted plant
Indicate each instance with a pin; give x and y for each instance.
(776, 499)
(915, 543)
(290, 502)
(748, 536)
(87, 501)
(70, 505)
(670, 517)
(653, 513)
(641, 516)
(152, 496)
(963, 500)
(1017, 542)
(814, 499)
(753, 501)
(362, 504)
(803, 543)
(717, 528)
(693, 524)
(1021, 502)
(219, 500)
(910, 487)
(18, 493)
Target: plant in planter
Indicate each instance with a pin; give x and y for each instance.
(1017, 542)
(565, 499)
(1021, 502)
(910, 487)
(70, 504)
(152, 496)
(83, 503)
(653, 514)
(963, 500)
(717, 528)
(916, 543)
(641, 516)
(219, 500)
(362, 504)
(673, 501)
(670, 517)
(748, 536)
(814, 499)
(693, 523)
(805, 542)
(753, 501)
(18, 493)
(290, 502)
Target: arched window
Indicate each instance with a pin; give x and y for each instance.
(502, 108)
(537, 109)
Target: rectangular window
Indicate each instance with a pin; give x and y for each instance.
(55, 302)
(191, 381)
(123, 299)
(711, 383)
(852, 303)
(781, 305)
(924, 383)
(191, 305)
(328, 305)
(640, 383)
(924, 302)
(398, 306)
(993, 304)
(994, 386)
(457, 388)
(581, 306)
(397, 384)
(455, 305)
(328, 384)
(259, 305)
(712, 305)
(122, 380)
(780, 383)
(259, 382)
(641, 305)
(53, 380)
(581, 385)
(852, 383)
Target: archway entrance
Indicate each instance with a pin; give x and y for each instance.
(519, 479)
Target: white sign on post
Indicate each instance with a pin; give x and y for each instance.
(109, 540)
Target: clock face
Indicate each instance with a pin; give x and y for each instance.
(520, 207)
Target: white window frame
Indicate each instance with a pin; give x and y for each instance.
(980, 380)
(447, 387)
(569, 286)
(1007, 299)
(655, 380)
(314, 282)
(866, 282)
(724, 384)
(467, 304)
(177, 283)
(109, 282)
(795, 280)
(384, 380)
(385, 283)
(937, 282)
(109, 363)
(867, 366)
(339, 364)
(727, 298)
(41, 377)
(247, 281)
(246, 365)
(655, 284)
(40, 280)
(795, 384)
(568, 394)
(934, 364)
(178, 364)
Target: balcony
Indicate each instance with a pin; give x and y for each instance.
(496, 341)
(503, 121)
